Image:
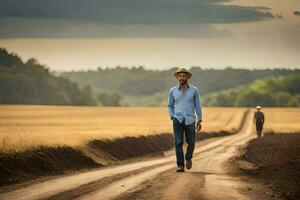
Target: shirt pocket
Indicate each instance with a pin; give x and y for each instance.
(178, 97)
(190, 98)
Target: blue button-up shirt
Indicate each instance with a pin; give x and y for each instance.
(182, 104)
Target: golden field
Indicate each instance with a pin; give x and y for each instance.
(28, 126)
(282, 120)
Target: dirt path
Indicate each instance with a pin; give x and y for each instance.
(208, 179)
(152, 179)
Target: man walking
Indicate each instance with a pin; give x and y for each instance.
(259, 120)
(183, 100)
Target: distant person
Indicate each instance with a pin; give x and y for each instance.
(183, 100)
(259, 120)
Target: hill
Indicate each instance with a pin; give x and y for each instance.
(32, 83)
(139, 86)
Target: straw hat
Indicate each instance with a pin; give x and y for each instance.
(258, 107)
(183, 70)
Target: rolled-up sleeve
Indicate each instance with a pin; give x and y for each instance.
(198, 106)
(171, 102)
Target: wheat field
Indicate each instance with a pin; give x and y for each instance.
(282, 120)
(29, 126)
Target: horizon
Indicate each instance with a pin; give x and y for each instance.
(149, 68)
(170, 68)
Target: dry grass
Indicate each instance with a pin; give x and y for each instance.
(282, 120)
(217, 119)
(28, 127)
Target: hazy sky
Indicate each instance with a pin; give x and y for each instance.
(158, 34)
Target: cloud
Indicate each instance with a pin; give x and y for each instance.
(133, 11)
(121, 18)
(49, 28)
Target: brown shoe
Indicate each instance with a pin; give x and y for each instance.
(189, 164)
(180, 169)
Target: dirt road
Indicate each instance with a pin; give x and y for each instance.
(209, 178)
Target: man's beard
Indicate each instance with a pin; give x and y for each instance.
(182, 82)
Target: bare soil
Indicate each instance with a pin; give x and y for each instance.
(48, 161)
(45, 161)
(274, 162)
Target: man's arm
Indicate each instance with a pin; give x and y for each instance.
(171, 103)
(198, 106)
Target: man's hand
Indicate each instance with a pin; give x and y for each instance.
(198, 126)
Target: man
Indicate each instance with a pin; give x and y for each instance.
(183, 100)
(259, 120)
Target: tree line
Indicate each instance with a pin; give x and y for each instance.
(32, 83)
(283, 91)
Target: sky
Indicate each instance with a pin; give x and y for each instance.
(70, 35)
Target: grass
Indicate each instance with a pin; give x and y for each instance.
(24, 127)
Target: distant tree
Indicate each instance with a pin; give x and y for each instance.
(281, 91)
(108, 99)
(87, 95)
(252, 98)
(8, 59)
(33, 83)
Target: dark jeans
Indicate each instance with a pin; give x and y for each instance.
(189, 130)
(259, 127)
